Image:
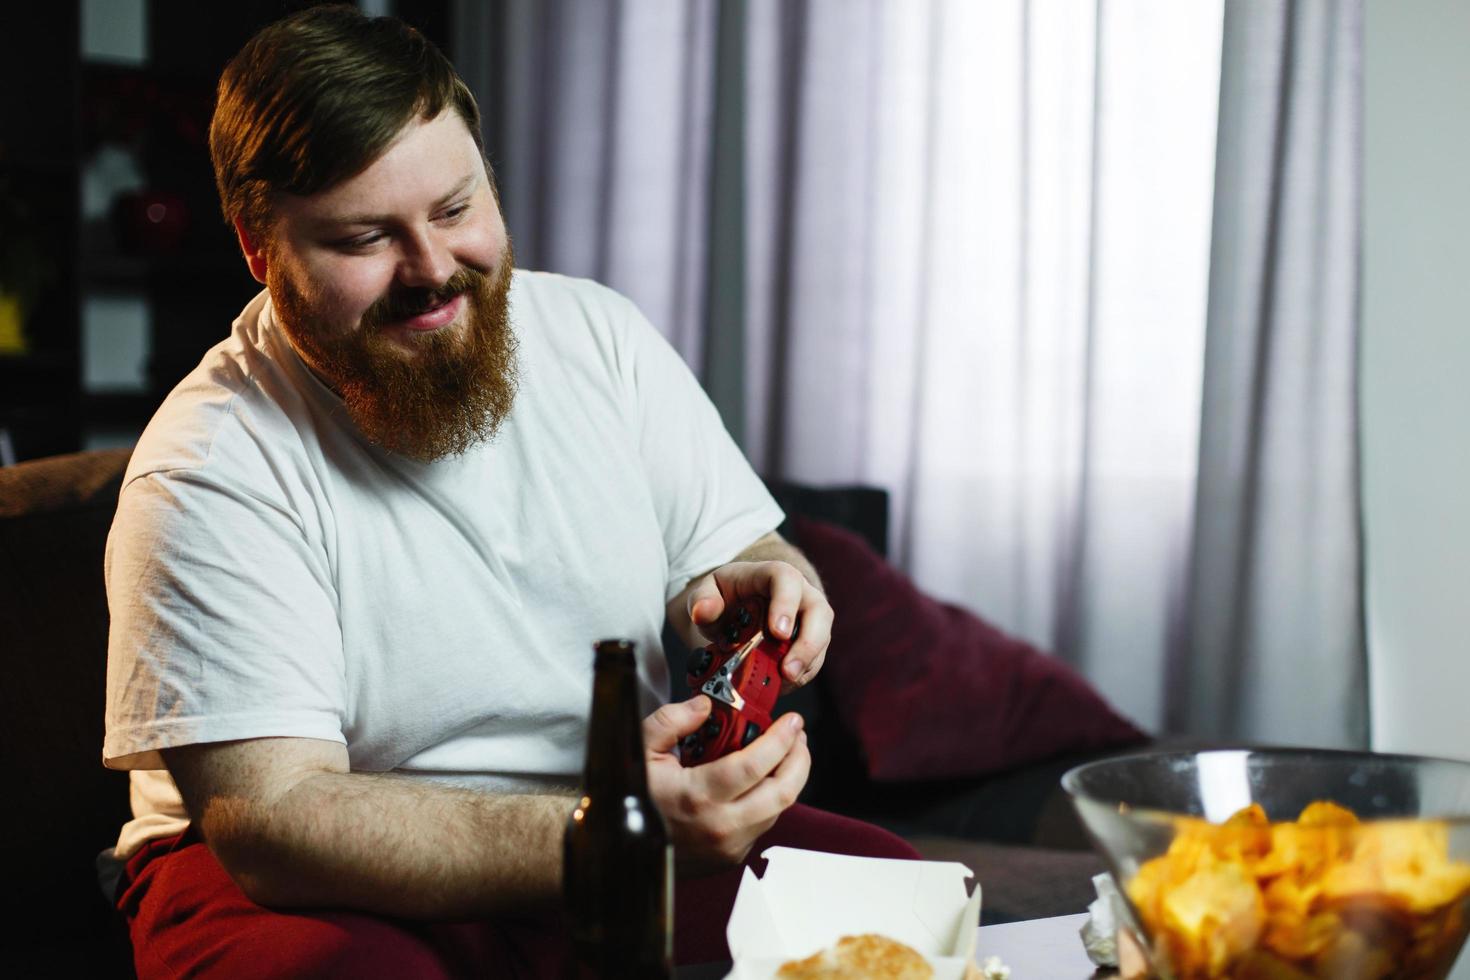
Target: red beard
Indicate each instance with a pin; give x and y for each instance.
(455, 392)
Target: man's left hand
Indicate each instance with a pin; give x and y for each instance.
(794, 604)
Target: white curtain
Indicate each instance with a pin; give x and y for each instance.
(995, 303)
(974, 246)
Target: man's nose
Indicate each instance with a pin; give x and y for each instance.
(426, 261)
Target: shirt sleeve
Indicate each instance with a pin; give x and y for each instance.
(710, 503)
(224, 622)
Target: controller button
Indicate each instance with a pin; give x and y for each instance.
(697, 752)
(699, 662)
(752, 732)
(711, 727)
(743, 620)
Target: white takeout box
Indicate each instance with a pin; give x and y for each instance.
(807, 900)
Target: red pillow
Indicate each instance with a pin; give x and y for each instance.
(932, 691)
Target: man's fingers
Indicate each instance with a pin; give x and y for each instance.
(804, 659)
(784, 589)
(671, 722)
(736, 774)
(812, 669)
(754, 813)
(706, 603)
(804, 676)
(771, 796)
(777, 581)
(717, 811)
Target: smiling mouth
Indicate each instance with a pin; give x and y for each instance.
(435, 316)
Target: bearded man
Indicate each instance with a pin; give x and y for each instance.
(362, 550)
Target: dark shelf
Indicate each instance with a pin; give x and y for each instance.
(119, 271)
(44, 365)
(41, 165)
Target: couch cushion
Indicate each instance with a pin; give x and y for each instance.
(64, 806)
(932, 691)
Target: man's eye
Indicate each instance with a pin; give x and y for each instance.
(455, 212)
(359, 243)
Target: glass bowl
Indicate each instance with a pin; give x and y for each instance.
(1281, 890)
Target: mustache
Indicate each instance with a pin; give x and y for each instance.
(410, 301)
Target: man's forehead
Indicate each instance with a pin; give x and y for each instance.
(426, 165)
(371, 209)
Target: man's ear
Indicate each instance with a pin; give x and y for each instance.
(254, 253)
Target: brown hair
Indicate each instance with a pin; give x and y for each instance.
(314, 98)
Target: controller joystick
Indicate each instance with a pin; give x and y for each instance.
(741, 673)
(698, 662)
(752, 732)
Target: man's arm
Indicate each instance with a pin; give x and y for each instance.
(774, 568)
(295, 828)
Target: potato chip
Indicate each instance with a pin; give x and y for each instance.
(1326, 895)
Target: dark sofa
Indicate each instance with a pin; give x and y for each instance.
(1010, 824)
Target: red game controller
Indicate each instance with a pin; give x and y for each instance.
(741, 673)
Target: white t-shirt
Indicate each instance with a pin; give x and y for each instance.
(271, 573)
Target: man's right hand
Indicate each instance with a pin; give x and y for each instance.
(716, 811)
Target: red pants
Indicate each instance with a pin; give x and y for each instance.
(187, 918)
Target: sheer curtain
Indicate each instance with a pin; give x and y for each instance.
(982, 258)
(599, 123)
(995, 299)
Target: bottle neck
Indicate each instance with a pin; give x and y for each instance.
(615, 761)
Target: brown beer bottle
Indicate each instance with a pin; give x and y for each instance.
(618, 878)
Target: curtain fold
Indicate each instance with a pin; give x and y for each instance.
(1272, 647)
(600, 133)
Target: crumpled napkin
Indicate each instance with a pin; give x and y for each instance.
(1104, 916)
(992, 969)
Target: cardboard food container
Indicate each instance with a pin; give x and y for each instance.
(807, 900)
